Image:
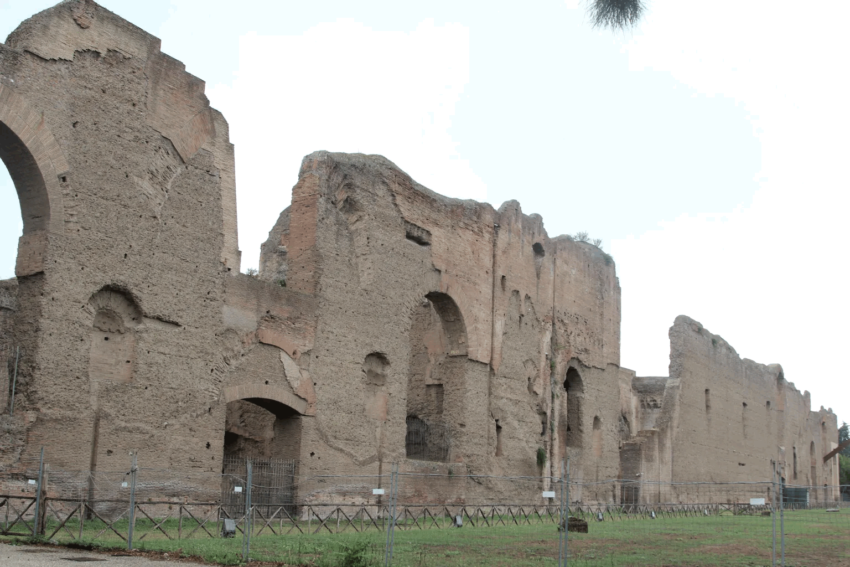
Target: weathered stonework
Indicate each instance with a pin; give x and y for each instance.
(387, 324)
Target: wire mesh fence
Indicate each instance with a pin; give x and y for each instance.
(266, 510)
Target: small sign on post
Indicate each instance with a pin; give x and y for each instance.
(756, 501)
(548, 494)
(237, 489)
(31, 481)
(377, 491)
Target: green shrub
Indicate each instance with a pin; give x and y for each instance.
(358, 553)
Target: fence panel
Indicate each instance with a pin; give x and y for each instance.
(429, 513)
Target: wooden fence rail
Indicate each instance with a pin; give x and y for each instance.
(73, 520)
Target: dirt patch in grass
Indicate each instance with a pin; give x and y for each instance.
(735, 549)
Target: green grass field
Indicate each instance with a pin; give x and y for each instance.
(813, 538)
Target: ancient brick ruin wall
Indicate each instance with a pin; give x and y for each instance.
(377, 301)
(135, 183)
(385, 253)
(8, 308)
(720, 418)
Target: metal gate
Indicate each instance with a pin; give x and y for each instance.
(273, 485)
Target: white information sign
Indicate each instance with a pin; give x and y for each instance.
(237, 489)
(123, 485)
(377, 491)
(756, 501)
(548, 494)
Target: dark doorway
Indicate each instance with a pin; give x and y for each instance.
(438, 360)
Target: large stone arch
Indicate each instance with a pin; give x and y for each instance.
(38, 168)
(262, 421)
(264, 395)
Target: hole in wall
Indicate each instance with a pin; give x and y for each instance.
(538, 249)
(417, 234)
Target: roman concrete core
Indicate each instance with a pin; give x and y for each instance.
(387, 323)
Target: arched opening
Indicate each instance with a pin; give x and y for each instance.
(575, 397)
(268, 432)
(376, 366)
(11, 225)
(27, 178)
(31, 169)
(17, 158)
(112, 339)
(794, 451)
(624, 430)
(438, 348)
(258, 428)
(37, 186)
(112, 352)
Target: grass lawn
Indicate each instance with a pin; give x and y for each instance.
(813, 538)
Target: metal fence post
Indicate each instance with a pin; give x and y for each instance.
(387, 521)
(132, 518)
(35, 521)
(248, 525)
(563, 521)
(782, 518)
(395, 512)
(388, 549)
(567, 514)
(773, 514)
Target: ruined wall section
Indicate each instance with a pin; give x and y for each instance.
(587, 338)
(735, 415)
(145, 204)
(8, 308)
(374, 247)
(273, 252)
(349, 241)
(646, 458)
(521, 399)
(539, 281)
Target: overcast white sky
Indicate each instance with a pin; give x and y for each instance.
(707, 148)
